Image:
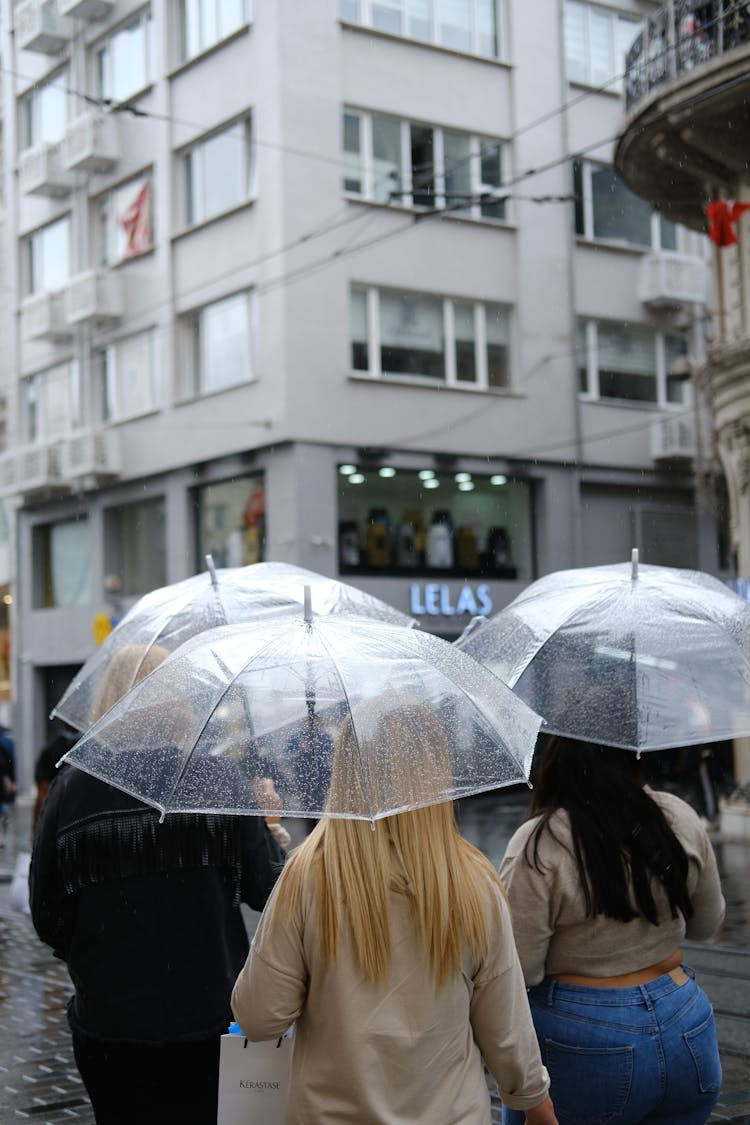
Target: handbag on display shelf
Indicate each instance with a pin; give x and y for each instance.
(253, 1079)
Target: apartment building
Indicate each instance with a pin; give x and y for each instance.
(351, 284)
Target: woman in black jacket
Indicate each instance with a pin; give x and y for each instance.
(147, 917)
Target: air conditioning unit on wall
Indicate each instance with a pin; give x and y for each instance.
(673, 438)
(38, 470)
(40, 172)
(43, 318)
(93, 454)
(93, 297)
(86, 9)
(91, 143)
(40, 27)
(671, 280)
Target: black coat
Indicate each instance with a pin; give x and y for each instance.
(146, 915)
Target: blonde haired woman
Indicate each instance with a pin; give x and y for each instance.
(391, 946)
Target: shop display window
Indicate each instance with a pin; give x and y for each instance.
(231, 522)
(449, 524)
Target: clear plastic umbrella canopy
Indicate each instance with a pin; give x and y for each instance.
(346, 717)
(643, 657)
(163, 619)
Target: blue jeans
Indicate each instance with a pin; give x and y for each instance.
(627, 1055)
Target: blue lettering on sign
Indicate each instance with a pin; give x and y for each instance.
(434, 598)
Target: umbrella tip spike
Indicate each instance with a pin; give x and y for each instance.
(308, 605)
(212, 570)
(634, 563)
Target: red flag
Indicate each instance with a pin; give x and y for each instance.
(136, 222)
(722, 215)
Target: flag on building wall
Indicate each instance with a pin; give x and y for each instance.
(135, 221)
(722, 215)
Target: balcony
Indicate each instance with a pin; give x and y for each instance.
(86, 9)
(40, 172)
(92, 455)
(43, 318)
(40, 27)
(687, 129)
(91, 143)
(93, 297)
(667, 281)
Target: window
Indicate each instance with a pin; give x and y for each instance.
(135, 545)
(395, 521)
(231, 521)
(44, 111)
(459, 343)
(124, 60)
(607, 209)
(46, 257)
(628, 363)
(462, 25)
(218, 173)
(62, 556)
(220, 344)
(51, 402)
(596, 41)
(125, 224)
(392, 161)
(205, 22)
(129, 376)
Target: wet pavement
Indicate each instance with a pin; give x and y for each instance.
(38, 1078)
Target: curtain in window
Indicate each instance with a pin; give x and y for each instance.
(69, 563)
(627, 363)
(411, 335)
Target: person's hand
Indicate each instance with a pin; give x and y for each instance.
(266, 795)
(543, 1114)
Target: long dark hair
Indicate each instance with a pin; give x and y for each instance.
(621, 839)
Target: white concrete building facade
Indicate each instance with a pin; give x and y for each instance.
(348, 284)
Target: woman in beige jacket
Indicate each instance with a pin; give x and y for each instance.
(390, 945)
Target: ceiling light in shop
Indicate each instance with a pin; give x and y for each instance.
(432, 483)
(426, 474)
(498, 478)
(386, 471)
(465, 486)
(357, 478)
(347, 470)
(462, 478)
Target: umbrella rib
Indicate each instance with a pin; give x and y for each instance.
(368, 795)
(212, 712)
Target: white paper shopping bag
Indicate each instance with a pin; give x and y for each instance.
(253, 1080)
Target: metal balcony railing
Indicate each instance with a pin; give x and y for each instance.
(680, 36)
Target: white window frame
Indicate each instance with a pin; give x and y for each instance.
(110, 213)
(30, 286)
(613, 81)
(587, 207)
(361, 13)
(481, 383)
(192, 341)
(592, 393)
(193, 182)
(478, 190)
(41, 380)
(31, 124)
(206, 42)
(102, 55)
(110, 380)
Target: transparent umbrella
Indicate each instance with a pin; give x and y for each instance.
(346, 716)
(643, 657)
(172, 614)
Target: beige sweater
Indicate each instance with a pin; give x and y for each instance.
(396, 1053)
(552, 932)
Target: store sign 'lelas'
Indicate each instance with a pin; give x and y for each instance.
(435, 598)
